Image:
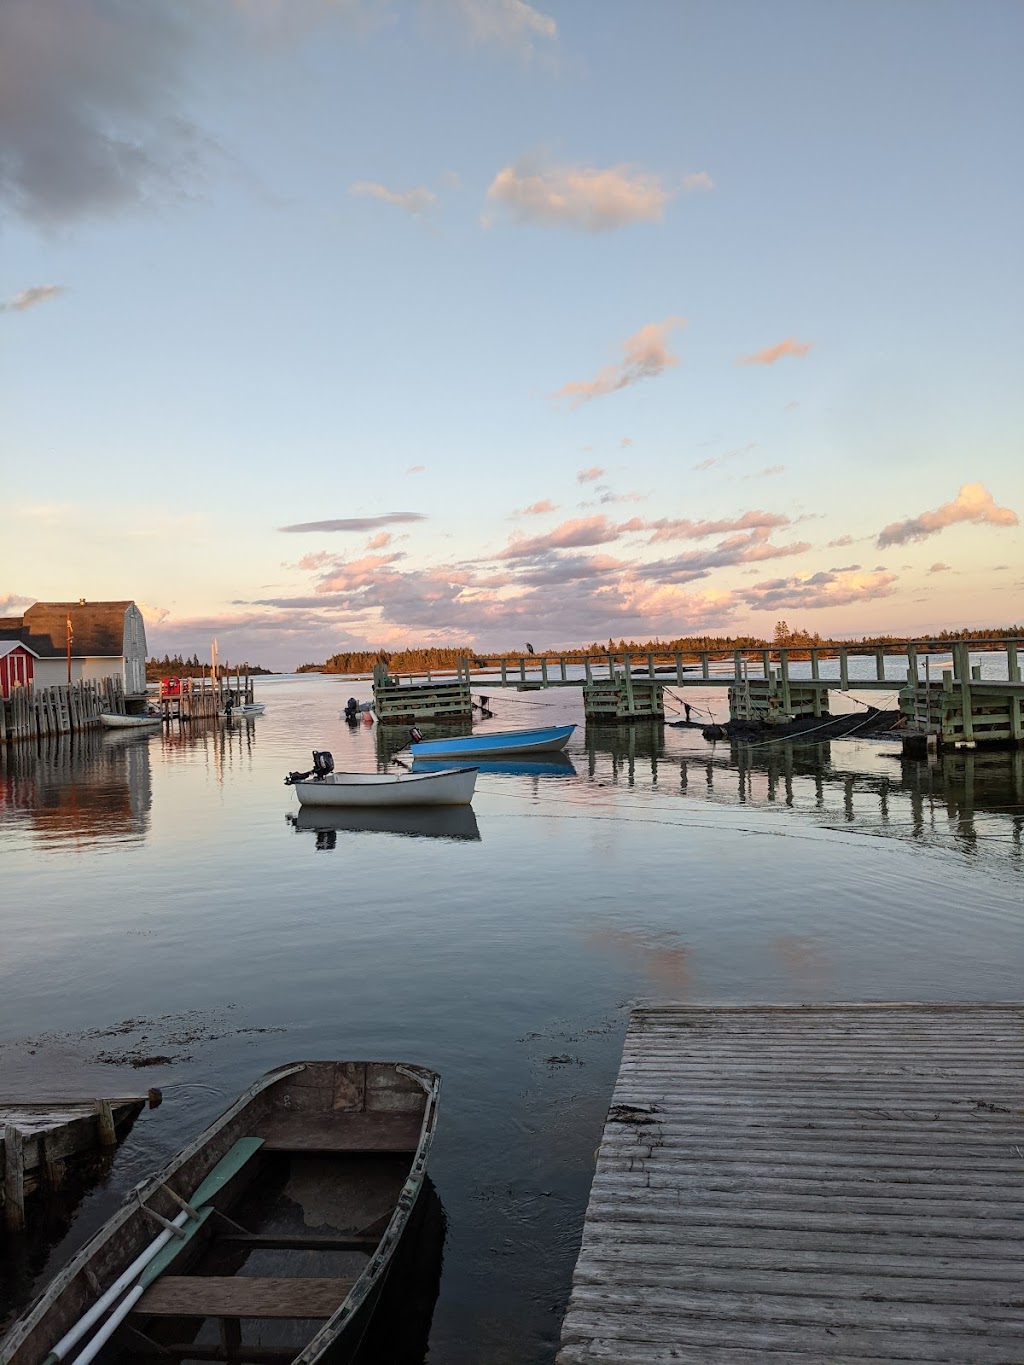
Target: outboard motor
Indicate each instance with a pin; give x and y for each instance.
(414, 735)
(323, 763)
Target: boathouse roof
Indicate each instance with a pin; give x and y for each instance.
(97, 628)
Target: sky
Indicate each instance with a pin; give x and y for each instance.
(338, 323)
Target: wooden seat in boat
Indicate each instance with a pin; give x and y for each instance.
(356, 1132)
(242, 1296)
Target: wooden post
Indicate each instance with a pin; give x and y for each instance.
(912, 664)
(705, 671)
(1012, 666)
(105, 1124)
(679, 665)
(766, 663)
(629, 686)
(14, 1178)
(815, 671)
(544, 670)
(561, 664)
(522, 669)
(784, 677)
(880, 665)
(503, 677)
(737, 668)
(650, 665)
(844, 671)
(586, 669)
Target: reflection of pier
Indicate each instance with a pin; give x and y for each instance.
(891, 793)
(88, 788)
(771, 685)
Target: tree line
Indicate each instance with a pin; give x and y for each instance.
(440, 657)
(177, 667)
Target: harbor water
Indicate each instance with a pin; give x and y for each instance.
(169, 919)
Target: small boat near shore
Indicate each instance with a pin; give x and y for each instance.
(114, 722)
(493, 744)
(280, 1225)
(249, 708)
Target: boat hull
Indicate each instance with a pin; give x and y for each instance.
(129, 722)
(450, 787)
(308, 1112)
(498, 744)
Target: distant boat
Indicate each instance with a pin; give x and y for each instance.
(323, 1164)
(495, 744)
(250, 708)
(410, 822)
(113, 722)
(449, 787)
(543, 765)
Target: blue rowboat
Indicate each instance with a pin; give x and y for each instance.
(541, 765)
(495, 744)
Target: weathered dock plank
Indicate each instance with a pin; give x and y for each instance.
(808, 1183)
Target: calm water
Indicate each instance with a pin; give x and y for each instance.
(157, 900)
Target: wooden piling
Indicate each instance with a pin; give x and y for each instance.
(14, 1178)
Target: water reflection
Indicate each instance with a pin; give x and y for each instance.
(977, 797)
(75, 790)
(427, 822)
(626, 745)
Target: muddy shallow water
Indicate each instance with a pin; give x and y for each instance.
(167, 921)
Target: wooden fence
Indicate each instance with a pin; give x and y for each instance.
(33, 712)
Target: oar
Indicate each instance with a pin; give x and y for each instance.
(229, 1165)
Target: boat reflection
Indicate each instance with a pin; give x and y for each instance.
(411, 822)
(548, 765)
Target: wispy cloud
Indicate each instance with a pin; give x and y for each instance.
(510, 24)
(536, 509)
(840, 542)
(30, 298)
(725, 456)
(380, 541)
(646, 354)
(416, 469)
(770, 354)
(416, 201)
(974, 503)
(819, 590)
(768, 472)
(750, 547)
(939, 567)
(355, 523)
(589, 475)
(584, 198)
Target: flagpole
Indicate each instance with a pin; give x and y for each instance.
(70, 638)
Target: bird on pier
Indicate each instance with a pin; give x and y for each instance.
(529, 648)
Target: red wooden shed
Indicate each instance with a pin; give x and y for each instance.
(17, 666)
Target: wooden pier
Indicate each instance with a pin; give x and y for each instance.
(826, 1183)
(949, 706)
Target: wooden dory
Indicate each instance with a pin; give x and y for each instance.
(449, 787)
(112, 722)
(299, 1196)
(495, 744)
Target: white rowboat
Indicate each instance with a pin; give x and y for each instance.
(450, 787)
(252, 708)
(128, 722)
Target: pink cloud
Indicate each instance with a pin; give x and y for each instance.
(770, 354)
(939, 567)
(568, 535)
(379, 541)
(840, 542)
(589, 475)
(579, 197)
(537, 509)
(974, 503)
(416, 469)
(416, 202)
(646, 354)
(30, 298)
(825, 589)
(681, 528)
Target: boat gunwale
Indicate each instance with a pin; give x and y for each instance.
(31, 1318)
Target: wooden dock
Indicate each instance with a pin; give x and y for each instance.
(791, 1184)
